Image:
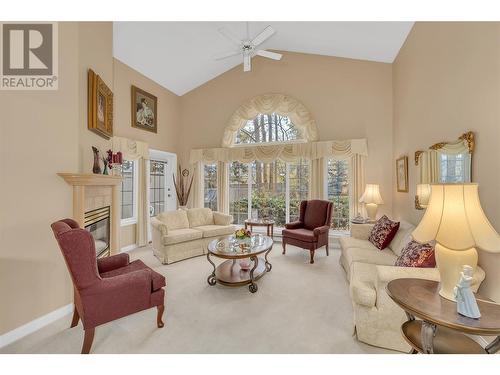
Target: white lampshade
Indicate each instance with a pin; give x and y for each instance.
(423, 194)
(371, 195)
(455, 219)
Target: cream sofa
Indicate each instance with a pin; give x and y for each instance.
(183, 234)
(377, 319)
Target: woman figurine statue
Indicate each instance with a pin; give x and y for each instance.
(466, 302)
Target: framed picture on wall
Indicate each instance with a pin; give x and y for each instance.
(144, 110)
(99, 106)
(402, 174)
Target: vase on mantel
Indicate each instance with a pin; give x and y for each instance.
(97, 167)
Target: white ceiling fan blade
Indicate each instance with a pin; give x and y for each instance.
(269, 54)
(229, 36)
(247, 62)
(225, 55)
(268, 31)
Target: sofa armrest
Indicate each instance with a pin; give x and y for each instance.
(321, 230)
(112, 262)
(222, 219)
(294, 225)
(361, 231)
(159, 226)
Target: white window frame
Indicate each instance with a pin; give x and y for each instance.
(133, 219)
(325, 190)
(218, 179)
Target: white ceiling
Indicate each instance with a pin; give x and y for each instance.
(179, 55)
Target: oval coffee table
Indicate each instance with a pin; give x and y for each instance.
(230, 273)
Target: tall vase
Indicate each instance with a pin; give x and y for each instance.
(97, 167)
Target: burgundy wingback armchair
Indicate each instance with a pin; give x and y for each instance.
(108, 288)
(311, 231)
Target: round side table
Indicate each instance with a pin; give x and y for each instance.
(441, 329)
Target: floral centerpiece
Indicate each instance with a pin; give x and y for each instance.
(242, 234)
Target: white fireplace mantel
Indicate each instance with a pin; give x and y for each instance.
(80, 182)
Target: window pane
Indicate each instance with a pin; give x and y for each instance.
(268, 128)
(453, 168)
(238, 191)
(338, 192)
(299, 185)
(268, 191)
(210, 179)
(127, 189)
(157, 176)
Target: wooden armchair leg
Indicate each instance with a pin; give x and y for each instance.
(76, 318)
(312, 256)
(159, 317)
(87, 341)
(284, 246)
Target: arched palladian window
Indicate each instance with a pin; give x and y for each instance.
(286, 115)
(268, 128)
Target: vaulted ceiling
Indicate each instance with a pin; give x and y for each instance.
(180, 55)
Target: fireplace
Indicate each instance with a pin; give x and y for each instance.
(97, 222)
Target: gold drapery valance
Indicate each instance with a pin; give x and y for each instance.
(284, 152)
(271, 103)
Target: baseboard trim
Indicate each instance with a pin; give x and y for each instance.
(34, 325)
(128, 248)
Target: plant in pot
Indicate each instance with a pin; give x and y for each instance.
(182, 188)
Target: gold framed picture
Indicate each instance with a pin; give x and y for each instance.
(402, 174)
(100, 106)
(144, 111)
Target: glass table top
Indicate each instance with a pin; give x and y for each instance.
(232, 247)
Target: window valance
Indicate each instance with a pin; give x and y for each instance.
(271, 103)
(131, 149)
(284, 152)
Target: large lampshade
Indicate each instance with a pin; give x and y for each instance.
(456, 221)
(371, 198)
(371, 195)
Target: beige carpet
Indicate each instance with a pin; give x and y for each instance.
(299, 308)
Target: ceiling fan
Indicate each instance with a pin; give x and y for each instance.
(248, 47)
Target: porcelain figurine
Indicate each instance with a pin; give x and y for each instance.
(466, 302)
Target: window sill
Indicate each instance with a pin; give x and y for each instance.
(127, 222)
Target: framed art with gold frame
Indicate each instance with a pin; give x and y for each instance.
(144, 110)
(100, 106)
(402, 174)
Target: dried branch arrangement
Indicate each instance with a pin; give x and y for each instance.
(181, 184)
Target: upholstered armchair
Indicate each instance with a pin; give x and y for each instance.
(310, 232)
(105, 289)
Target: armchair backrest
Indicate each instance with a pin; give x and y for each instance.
(315, 213)
(78, 248)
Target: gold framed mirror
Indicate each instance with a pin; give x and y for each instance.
(443, 162)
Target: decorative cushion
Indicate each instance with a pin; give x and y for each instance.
(402, 237)
(383, 232)
(417, 254)
(200, 216)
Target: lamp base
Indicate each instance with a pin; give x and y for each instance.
(371, 210)
(450, 263)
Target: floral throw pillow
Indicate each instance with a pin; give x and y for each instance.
(416, 254)
(383, 232)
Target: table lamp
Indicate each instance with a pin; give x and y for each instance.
(371, 198)
(455, 220)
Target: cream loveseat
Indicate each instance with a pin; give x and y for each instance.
(377, 319)
(183, 234)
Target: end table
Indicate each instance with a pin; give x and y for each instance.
(269, 224)
(441, 329)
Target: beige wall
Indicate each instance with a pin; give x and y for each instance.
(446, 82)
(39, 137)
(348, 98)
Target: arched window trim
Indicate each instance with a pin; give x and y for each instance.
(282, 104)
